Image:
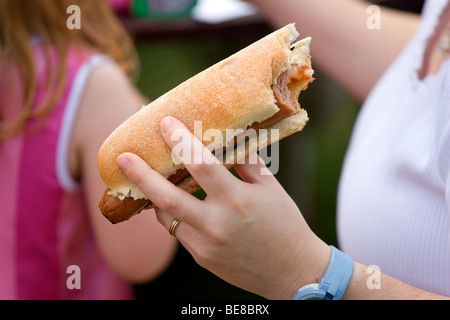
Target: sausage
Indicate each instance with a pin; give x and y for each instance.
(116, 210)
(286, 92)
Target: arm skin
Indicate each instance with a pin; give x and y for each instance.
(343, 46)
(390, 288)
(139, 249)
(250, 232)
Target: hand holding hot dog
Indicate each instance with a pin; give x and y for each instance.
(247, 232)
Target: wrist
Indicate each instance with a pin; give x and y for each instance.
(334, 283)
(310, 268)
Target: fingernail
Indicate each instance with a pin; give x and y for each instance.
(123, 162)
(166, 124)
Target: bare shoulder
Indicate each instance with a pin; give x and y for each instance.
(109, 99)
(109, 96)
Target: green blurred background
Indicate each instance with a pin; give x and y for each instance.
(310, 161)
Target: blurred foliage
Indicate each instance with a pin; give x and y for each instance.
(310, 161)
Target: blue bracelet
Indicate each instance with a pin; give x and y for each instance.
(334, 282)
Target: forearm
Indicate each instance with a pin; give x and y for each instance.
(139, 250)
(343, 46)
(366, 284)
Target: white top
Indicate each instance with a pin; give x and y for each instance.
(394, 195)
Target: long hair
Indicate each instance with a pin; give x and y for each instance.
(23, 20)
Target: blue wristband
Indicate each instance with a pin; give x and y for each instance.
(334, 282)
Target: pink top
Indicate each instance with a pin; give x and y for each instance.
(44, 223)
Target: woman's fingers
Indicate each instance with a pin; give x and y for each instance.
(254, 170)
(204, 167)
(158, 189)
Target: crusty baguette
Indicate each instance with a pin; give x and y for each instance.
(233, 94)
